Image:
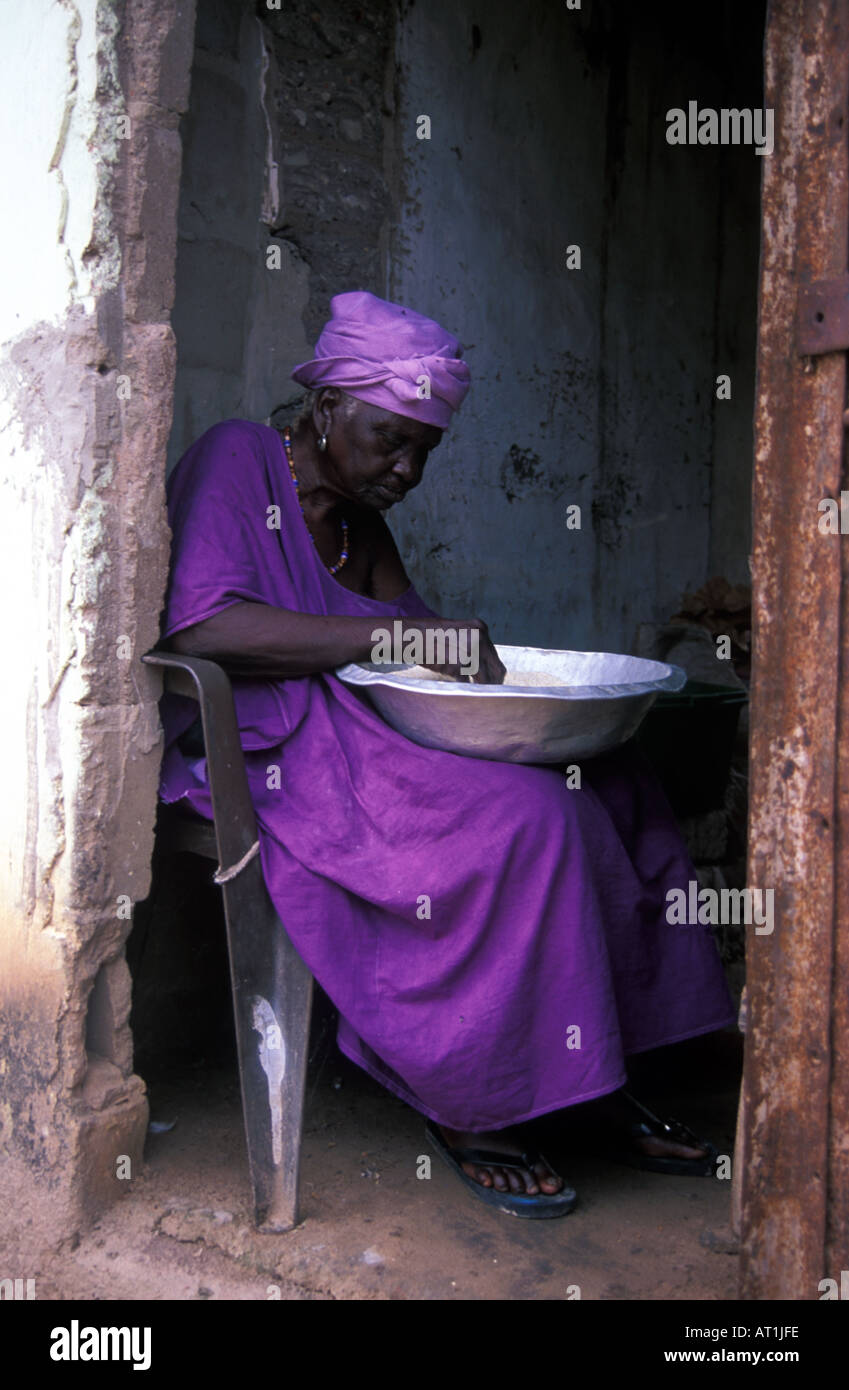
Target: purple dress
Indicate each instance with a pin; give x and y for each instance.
(495, 941)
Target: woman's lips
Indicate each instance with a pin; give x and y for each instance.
(393, 494)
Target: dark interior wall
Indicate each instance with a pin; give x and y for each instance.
(284, 197)
(737, 303)
(230, 315)
(332, 106)
(596, 385)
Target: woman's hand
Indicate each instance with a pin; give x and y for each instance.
(478, 662)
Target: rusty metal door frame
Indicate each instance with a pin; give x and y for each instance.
(795, 1149)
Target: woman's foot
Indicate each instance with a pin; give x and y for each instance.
(529, 1181)
(502, 1173)
(651, 1142)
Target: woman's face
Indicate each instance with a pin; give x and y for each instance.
(374, 456)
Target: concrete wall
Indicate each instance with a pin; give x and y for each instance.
(283, 200)
(237, 318)
(91, 94)
(591, 386)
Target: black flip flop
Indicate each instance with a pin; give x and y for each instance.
(651, 1126)
(537, 1207)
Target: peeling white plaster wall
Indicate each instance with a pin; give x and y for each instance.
(50, 137)
(83, 558)
(53, 161)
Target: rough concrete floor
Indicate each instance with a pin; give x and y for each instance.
(373, 1230)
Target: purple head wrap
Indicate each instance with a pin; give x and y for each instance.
(379, 352)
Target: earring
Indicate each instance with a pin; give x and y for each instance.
(322, 442)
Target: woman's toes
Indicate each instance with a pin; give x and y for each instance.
(655, 1147)
(549, 1182)
(530, 1182)
(481, 1175)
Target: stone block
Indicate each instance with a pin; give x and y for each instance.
(153, 179)
(157, 51)
(110, 1141)
(107, 1031)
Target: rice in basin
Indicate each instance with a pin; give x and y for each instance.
(521, 678)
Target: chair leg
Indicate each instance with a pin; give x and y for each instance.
(272, 998)
(294, 993)
(272, 988)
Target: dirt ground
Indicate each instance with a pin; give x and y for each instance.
(372, 1229)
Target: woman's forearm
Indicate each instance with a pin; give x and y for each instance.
(254, 639)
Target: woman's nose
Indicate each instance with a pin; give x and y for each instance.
(409, 467)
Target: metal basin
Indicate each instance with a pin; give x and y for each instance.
(602, 705)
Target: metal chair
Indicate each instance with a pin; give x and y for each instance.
(272, 988)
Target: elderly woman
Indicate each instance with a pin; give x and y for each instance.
(495, 940)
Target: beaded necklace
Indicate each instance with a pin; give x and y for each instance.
(332, 569)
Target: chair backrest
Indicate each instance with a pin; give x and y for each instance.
(232, 808)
